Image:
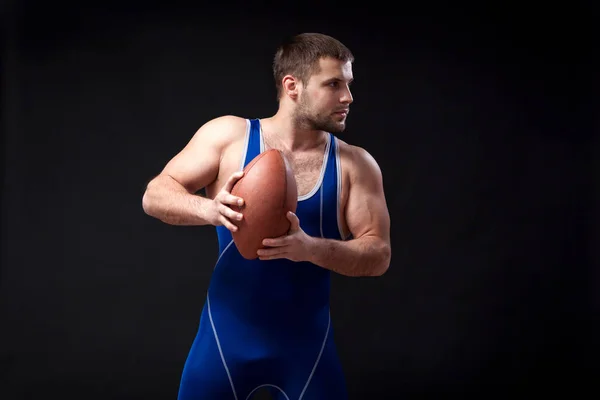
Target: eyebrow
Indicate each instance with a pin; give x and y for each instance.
(338, 80)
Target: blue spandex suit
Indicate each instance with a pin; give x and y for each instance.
(267, 323)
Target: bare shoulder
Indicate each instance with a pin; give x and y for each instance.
(364, 208)
(358, 164)
(201, 162)
(221, 131)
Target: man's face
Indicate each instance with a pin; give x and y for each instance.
(325, 99)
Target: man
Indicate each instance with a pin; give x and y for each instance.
(266, 322)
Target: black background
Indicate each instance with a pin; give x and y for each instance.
(477, 117)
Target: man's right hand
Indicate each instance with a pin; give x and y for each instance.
(224, 200)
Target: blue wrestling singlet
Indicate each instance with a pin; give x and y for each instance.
(267, 323)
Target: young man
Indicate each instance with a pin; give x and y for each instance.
(266, 322)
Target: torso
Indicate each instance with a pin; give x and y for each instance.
(306, 164)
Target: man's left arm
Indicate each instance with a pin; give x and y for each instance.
(368, 253)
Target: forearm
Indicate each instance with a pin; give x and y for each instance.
(365, 256)
(166, 200)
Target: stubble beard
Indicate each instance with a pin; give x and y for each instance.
(305, 118)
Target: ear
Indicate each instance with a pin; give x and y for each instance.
(290, 86)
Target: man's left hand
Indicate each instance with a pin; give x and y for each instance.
(296, 245)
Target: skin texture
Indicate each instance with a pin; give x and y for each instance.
(307, 110)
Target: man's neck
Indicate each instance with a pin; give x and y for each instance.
(281, 131)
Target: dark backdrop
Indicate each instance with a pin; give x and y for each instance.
(478, 124)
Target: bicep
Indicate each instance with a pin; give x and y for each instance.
(366, 209)
(197, 164)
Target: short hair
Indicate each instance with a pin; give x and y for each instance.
(299, 56)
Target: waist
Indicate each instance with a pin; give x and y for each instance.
(277, 288)
(274, 319)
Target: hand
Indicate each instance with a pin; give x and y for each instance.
(222, 202)
(296, 245)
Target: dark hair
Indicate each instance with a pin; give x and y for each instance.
(299, 56)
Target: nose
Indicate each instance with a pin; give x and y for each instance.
(347, 96)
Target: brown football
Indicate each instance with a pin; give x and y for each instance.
(269, 190)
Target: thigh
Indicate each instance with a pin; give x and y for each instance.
(327, 382)
(318, 379)
(222, 363)
(204, 373)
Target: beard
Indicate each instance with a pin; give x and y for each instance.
(306, 118)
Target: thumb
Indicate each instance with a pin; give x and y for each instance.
(295, 222)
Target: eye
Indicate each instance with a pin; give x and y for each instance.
(334, 84)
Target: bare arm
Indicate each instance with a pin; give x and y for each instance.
(369, 252)
(171, 196)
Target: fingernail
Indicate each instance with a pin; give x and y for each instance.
(240, 202)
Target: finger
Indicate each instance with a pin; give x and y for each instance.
(267, 258)
(232, 179)
(271, 253)
(229, 213)
(227, 224)
(233, 200)
(277, 242)
(293, 218)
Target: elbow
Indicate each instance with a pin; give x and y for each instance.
(148, 205)
(384, 260)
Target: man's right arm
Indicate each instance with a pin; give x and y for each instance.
(171, 196)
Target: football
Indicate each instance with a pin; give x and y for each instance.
(269, 190)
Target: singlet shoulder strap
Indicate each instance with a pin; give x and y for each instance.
(252, 143)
